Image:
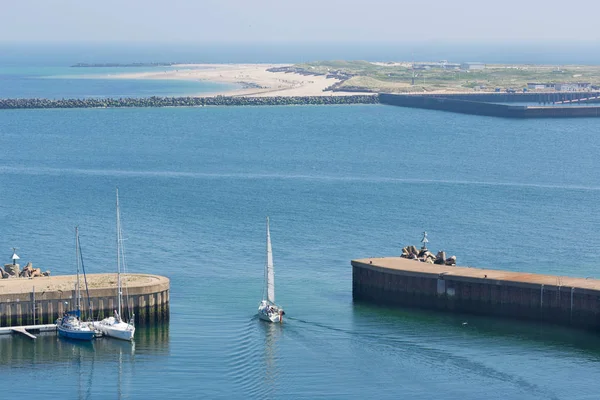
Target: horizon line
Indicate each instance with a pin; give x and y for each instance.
(496, 41)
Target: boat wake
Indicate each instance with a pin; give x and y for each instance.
(255, 340)
(412, 348)
(12, 169)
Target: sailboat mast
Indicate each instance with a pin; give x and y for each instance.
(270, 271)
(87, 290)
(118, 256)
(77, 292)
(266, 277)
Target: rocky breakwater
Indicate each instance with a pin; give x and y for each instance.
(424, 255)
(186, 101)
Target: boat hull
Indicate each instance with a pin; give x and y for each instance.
(117, 330)
(274, 315)
(265, 317)
(77, 335)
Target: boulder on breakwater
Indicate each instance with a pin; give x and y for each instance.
(424, 255)
(14, 271)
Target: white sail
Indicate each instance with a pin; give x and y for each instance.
(267, 309)
(270, 270)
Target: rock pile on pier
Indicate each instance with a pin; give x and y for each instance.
(14, 271)
(424, 255)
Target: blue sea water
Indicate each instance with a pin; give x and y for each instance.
(338, 182)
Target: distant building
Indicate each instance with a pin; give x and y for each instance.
(451, 66)
(560, 87)
(444, 64)
(572, 86)
(421, 66)
(440, 64)
(539, 86)
(472, 66)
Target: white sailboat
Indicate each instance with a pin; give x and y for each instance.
(115, 326)
(267, 309)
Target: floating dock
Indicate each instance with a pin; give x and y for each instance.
(41, 300)
(28, 330)
(405, 282)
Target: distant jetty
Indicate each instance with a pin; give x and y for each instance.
(104, 65)
(186, 101)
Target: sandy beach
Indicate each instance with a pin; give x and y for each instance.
(251, 79)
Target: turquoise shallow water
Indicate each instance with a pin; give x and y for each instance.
(338, 183)
(64, 82)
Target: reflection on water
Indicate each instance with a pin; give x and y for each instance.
(405, 321)
(272, 333)
(254, 359)
(102, 368)
(49, 348)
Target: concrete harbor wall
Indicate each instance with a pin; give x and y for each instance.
(480, 105)
(521, 97)
(42, 300)
(453, 105)
(403, 282)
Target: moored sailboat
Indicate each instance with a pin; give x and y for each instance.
(267, 309)
(70, 325)
(115, 326)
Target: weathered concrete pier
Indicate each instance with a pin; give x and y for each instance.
(405, 282)
(42, 300)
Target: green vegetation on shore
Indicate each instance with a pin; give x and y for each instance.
(186, 102)
(364, 76)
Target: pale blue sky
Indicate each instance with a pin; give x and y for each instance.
(298, 21)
